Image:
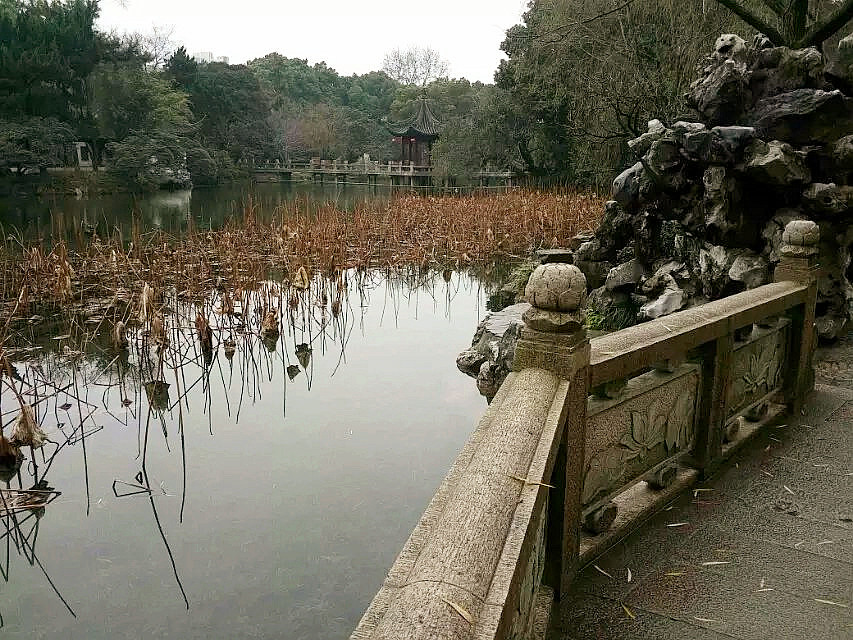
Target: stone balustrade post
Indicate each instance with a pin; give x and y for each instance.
(799, 263)
(555, 338)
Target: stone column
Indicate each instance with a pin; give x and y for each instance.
(555, 338)
(799, 263)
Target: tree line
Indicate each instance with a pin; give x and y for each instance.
(580, 78)
(139, 106)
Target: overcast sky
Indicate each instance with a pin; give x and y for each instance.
(352, 36)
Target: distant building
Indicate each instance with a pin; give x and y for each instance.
(207, 56)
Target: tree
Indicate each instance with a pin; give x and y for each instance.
(371, 93)
(33, 144)
(319, 131)
(129, 100)
(288, 139)
(182, 69)
(447, 97)
(232, 109)
(153, 160)
(47, 50)
(294, 83)
(158, 45)
(415, 65)
(583, 77)
(794, 23)
(317, 111)
(455, 155)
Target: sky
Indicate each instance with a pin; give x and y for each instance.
(351, 36)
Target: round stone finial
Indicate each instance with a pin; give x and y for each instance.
(556, 287)
(801, 233)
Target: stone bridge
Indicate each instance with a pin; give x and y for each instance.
(586, 440)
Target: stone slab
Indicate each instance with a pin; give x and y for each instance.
(592, 618)
(737, 608)
(798, 487)
(772, 565)
(797, 532)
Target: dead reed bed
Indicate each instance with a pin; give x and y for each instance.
(439, 232)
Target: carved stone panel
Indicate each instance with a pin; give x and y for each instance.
(529, 589)
(654, 419)
(757, 367)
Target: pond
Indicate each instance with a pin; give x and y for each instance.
(260, 486)
(32, 217)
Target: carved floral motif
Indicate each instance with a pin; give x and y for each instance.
(756, 371)
(657, 433)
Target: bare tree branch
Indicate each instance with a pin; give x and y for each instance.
(754, 20)
(415, 65)
(776, 6)
(827, 27)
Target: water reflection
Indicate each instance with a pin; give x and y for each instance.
(58, 217)
(122, 403)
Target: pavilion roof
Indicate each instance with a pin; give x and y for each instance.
(424, 124)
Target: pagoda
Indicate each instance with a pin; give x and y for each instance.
(416, 136)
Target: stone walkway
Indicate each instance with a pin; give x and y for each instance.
(764, 550)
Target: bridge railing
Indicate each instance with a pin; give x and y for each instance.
(536, 489)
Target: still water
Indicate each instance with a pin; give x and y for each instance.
(271, 491)
(172, 211)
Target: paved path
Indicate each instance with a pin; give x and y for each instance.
(764, 550)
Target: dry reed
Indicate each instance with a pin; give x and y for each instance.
(441, 232)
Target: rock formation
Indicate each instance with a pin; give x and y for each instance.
(701, 213)
(489, 358)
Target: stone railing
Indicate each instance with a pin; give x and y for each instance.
(537, 488)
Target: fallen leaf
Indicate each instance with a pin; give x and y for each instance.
(786, 488)
(629, 612)
(66, 406)
(600, 570)
(673, 574)
(678, 524)
(301, 281)
(834, 604)
(460, 610)
(714, 563)
(630, 576)
(764, 589)
(826, 542)
(528, 481)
